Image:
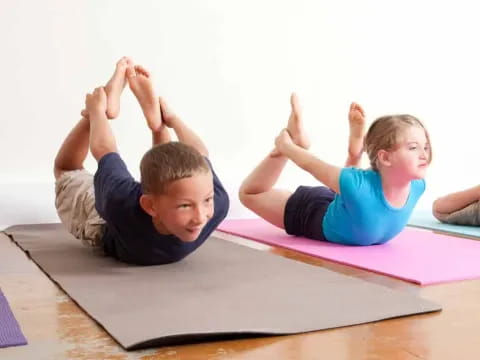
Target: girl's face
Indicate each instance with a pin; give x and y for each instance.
(411, 155)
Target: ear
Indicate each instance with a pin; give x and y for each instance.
(148, 205)
(383, 158)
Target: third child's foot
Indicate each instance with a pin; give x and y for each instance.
(295, 124)
(115, 86)
(142, 87)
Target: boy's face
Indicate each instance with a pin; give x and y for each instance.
(185, 207)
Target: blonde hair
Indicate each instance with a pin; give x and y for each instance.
(168, 162)
(384, 134)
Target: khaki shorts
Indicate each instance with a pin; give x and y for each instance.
(469, 215)
(75, 203)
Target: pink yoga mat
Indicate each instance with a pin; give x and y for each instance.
(415, 255)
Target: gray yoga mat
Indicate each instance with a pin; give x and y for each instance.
(223, 290)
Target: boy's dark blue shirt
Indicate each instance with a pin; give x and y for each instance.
(129, 232)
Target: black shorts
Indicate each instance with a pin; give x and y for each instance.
(305, 210)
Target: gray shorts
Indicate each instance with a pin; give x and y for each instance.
(469, 215)
(75, 203)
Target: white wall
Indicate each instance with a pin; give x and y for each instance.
(227, 67)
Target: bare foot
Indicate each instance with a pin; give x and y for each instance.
(142, 87)
(115, 86)
(96, 103)
(295, 124)
(356, 119)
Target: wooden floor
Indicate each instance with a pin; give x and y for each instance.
(57, 328)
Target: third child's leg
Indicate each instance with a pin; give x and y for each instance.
(455, 201)
(356, 119)
(257, 192)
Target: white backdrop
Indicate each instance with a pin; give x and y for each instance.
(228, 67)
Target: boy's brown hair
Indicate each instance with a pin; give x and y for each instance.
(168, 162)
(384, 134)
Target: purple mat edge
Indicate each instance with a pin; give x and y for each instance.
(10, 332)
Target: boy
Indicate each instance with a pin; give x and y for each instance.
(174, 209)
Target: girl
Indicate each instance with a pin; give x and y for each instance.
(357, 207)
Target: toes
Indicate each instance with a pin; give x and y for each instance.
(122, 61)
(131, 73)
(294, 99)
(129, 61)
(295, 104)
(141, 70)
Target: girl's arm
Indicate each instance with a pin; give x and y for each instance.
(325, 173)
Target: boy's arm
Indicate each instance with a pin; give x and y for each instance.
(187, 136)
(160, 136)
(183, 132)
(327, 174)
(456, 201)
(102, 140)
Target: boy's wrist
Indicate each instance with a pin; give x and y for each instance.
(173, 122)
(97, 114)
(289, 149)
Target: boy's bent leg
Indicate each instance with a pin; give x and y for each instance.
(75, 203)
(258, 195)
(74, 149)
